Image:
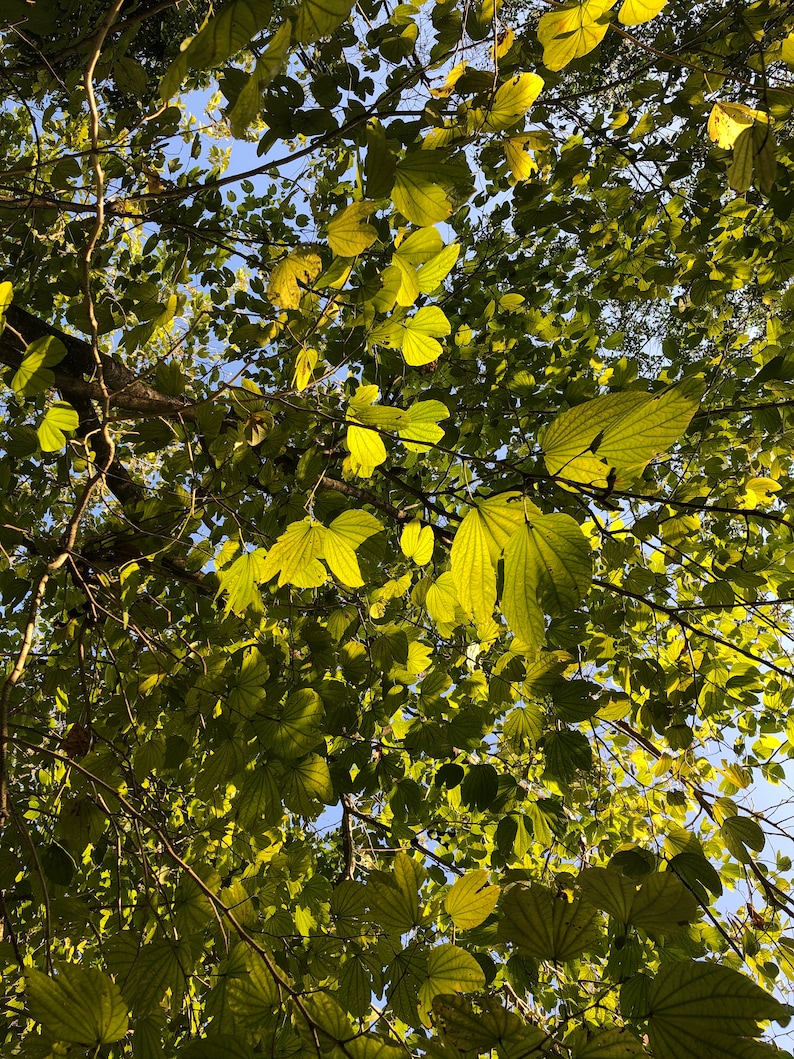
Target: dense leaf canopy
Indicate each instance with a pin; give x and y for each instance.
(396, 560)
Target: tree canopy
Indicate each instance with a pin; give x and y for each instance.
(396, 557)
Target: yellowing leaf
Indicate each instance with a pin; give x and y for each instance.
(241, 582)
(441, 599)
(615, 435)
(573, 30)
(510, 103)
(6, 297)
(342, 538)
(449, 970)
(367, 450)
(473, 569)
(436, 270)
(522, 164)
(305, 363)
(519, 601)
(419, 345)
(787, 53)
(349, 234)
(293, 552)
(417, 541)
(471, 900)
(417, 193)
(419, 427)
(301, 267)
(728, 120)
(420, 246)
(33, 375)
(60, 419)
(319, 18)
(407, 290)
(635, 12)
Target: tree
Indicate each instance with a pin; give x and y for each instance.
(396, 550)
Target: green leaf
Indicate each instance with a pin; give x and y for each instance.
(231, 30)
(617, 433)
(740, 833)
(417, 193)
(614, 1043)
(450, 970)
(294, 552)
(393, 897)
(419, 427)
(33, 375)
(319, 18)
(79, 1005)
(348, 232)
(547, 567)
(249, 102)
(546, 926)
(59, 420)
(660, 905)
(706, 1011)
(572, 30)
(471, 900)
(294, 729)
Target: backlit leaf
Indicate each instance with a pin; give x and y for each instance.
(349, 234)
(59, 420)
(78, 1005)
(471, 900)
(572, 30)
(546, 926)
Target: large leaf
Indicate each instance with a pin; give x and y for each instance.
(418, 191)
(545, 925)
(450, 970)
(613, 437)
(319, 18)
(571, 30)
(547, 568)
(79, 1005)
(59, 420)
(707, 1011)
(660, 905)
(33, 375)
(224, 35)
(471, 900)
(349, 234)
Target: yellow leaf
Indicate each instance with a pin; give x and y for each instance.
(510, 103)
(417, 541)
(348, 232)
(301, 267)
(473, 570)
(367, 450)
(441, 599)
(728, 120)
(573, 30)
(471, 900)
(788, 50)
(304, 366)
(294, 552)
(522, 164)
(635, 12)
